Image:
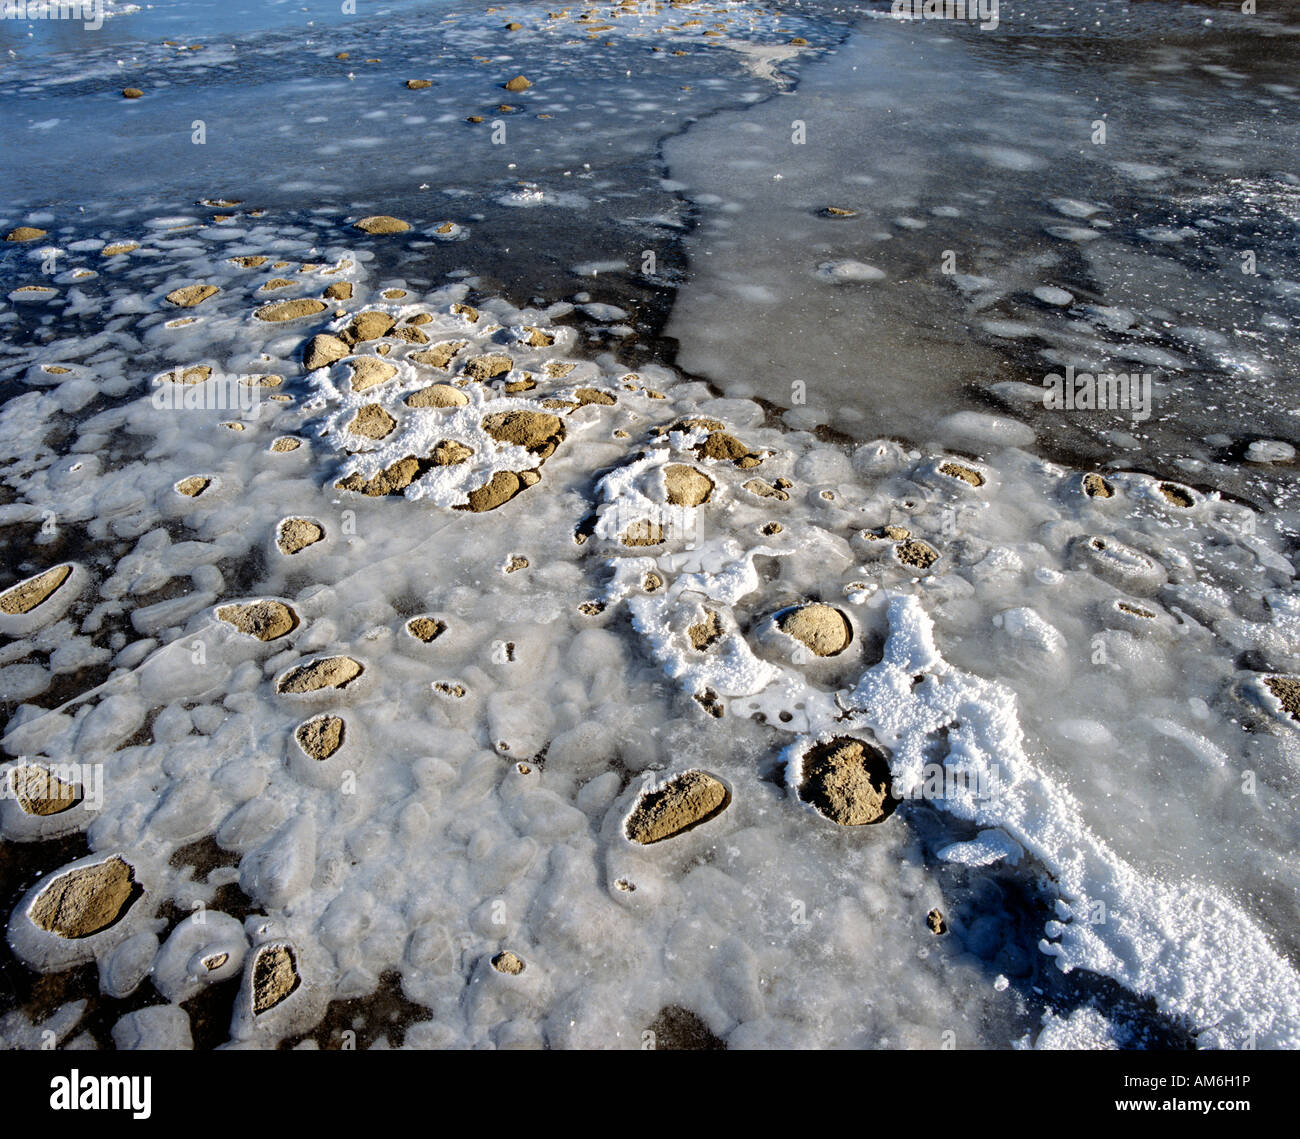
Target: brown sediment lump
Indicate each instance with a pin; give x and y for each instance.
(766, 490)
(848, 781)
(508, 962)
(439, 356)
(916, 553)
(328, 672)
(934, 919)
(131, 93)
(643, 533)
(39, 791)
(393, 479)
(469, 312)
(190, 295)
(1177, 495)
(450, 452)
(25, 233)
(437, 395)
(500, 489)
(368, 325)
(369, 372)
(591, 608)
(455, 691)
(372, 422)
(323, 350)
(247, 262)
(537, 432)
(339, 291)
(960, 471)
(193, 486)
(687, 486)
(55, 369)
(488, 366)
(265, 620)
(26, 595)
(276, 283)
(770, 528)
(692, 798)
(233, 426)
(822, 628)
(1135, 610)
(263, 381)
(536, 337)
(838, 212)
(199, 374)
(117, 248)
(707, 632)
(1287, 690)
(652, 581)
(594, 395)
(518, 83)
(723, 447)
(297, 534)
(557, 370)
(410, 335)
(416, 85)
(290, 310)
(381, 223)
(87, 900)
(517, 562)
(553, 404)
(426, 629)
(419, 318)
(284, 444)
(275, 977)
(320, 737)
(1094, 486)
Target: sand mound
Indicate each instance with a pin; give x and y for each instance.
(372, 422)
(959, 471)
(536, 337)
(1287, 690)
(822, 628)
(687, 486)
(322, 351)
(368, 325)
(265, 620)
(285, 444)
(847, 780)
(536, 431)
(369, 372)
(916, 553)
(643, 533)
(339, 291)
(502, 487)
(393, 479)
(40, 792)
(439, 356)
(26, 595)
(192, 295)
(381, 223)
(426, 629)
(25, 233)
(86, 900)
(328, 672)
(934, 919)
(1094, 486)
(723, 447)
(297, 534)
(275, 977)
(450, 452)
(321, 737)
(437, 395)
(595, 395)
(518, 83)
(766, 490)
(414, 85)
(692, 798)
(1177, 495)
(290, 310)
(119, 247)
(507, 962)
(193, 486)
(705, 633)
(132, 93)
(488, 366)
